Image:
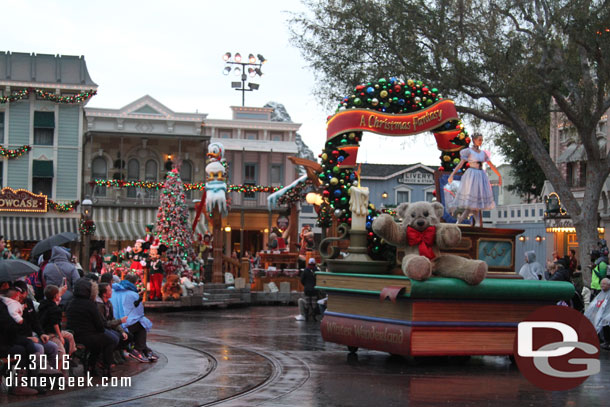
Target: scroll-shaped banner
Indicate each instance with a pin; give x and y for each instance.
(390, 124)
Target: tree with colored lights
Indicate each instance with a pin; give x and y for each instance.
(509, 63)
(173, 227)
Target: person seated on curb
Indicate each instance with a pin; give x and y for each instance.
(32, 329)
(10, 298)
(599, 314)
(13, 344)
(84, 319)
(50, 319)
(127, 302)
(113, 326)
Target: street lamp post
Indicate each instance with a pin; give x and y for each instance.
(86, 214)
(239, 67)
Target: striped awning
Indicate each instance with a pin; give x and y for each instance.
(119, 230)
(35, 228)
(106, 230)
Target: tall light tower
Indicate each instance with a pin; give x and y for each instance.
(252, 66)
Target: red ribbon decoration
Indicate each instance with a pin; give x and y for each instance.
(200, 208)
(424, 239)
(390, 124)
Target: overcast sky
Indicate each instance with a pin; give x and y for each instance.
(172, 51)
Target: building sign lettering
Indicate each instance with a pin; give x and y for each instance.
(21, 200)
(558, 223)
(416, 178)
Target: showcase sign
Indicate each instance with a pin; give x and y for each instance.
(21, 200)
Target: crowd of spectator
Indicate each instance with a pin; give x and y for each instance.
(98, 322)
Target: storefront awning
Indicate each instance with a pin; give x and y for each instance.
(33, 228)
(106, 230)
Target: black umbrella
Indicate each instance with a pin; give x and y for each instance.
(11, 270)
(50, 242)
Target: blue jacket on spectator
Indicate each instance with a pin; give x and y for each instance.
(127, 302)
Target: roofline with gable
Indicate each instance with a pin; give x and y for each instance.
(411, 168)
(126, 112)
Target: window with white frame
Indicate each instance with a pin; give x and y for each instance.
(250, 178)
(402, 196)
(42, 177)
(151, 172)
(133, 174)
(251, 135)
(402, 193)
(44, 128)
(186, 174)
(99, 170)
(276, 136)
(429, 194)
(276, 174)
(224, 133)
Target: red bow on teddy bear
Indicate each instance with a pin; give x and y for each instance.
(424, 239)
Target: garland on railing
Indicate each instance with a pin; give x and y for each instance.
(63, 207)
(18, 152)
(53, 97)
(115, 183)
(86, 227)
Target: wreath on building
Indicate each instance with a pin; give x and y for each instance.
(86, 227)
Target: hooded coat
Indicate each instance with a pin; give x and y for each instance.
(599, 311)
(83, 317)
(532, 270)
(60, 266)
(127, 302)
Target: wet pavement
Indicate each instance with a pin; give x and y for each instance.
(262, 356)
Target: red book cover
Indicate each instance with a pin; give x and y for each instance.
(391, 338)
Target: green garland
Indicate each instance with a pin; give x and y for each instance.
(200, 186)
(43, 94)
(18, 152)
(63, 207)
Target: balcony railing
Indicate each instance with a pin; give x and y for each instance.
(520, 213)
(135, 196)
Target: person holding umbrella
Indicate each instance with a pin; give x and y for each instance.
(49, 243)
(61, 271)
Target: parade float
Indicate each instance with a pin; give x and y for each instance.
(464, 298)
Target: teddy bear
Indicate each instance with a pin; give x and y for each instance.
(171, 289)
(422, 235)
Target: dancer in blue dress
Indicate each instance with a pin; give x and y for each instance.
(474, 194)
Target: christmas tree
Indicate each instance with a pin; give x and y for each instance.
(173, 227)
